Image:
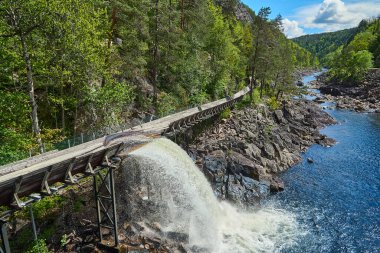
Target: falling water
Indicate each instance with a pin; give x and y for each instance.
(180, 198)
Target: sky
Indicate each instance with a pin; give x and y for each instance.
(302, 17)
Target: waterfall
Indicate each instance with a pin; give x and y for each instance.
(173, 192)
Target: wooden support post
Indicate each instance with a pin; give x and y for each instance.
(68, 176)
(105, 198)
(17, 187)
(120, 148)
(89, 168)
(4, 246)
(45, 182)
(33, 222)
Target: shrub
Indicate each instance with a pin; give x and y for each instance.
(39, 247)
(256, 96)
(273, 103)
(225, 114)
(166, 104)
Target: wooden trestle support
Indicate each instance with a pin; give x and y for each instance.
(104, 192)
(104, 189)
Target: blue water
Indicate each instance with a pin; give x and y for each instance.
(337, 198)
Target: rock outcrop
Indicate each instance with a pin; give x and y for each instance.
(362, 97)
(242, 155)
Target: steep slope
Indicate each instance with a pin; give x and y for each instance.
(325, 43)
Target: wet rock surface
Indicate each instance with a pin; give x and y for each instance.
(242, 155)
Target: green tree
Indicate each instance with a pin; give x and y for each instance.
(21, 20)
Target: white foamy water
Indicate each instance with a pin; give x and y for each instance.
(185, 203)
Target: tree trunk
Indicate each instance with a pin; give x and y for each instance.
(63, 117)
(32, 100)
(155, 58)
(251, 83)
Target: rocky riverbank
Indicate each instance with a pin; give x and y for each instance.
(243, 154)
(362, 97)
(240, 155)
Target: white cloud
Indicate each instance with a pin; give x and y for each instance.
(291, 28)
(333, 15)
(332, 12)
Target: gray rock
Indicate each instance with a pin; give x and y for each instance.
(178, 237)
(235, 191)
(239, 164)
(268, 150)
(276, 185)
(252, 150)
(262, 189)
(279, 116)
(215, 164)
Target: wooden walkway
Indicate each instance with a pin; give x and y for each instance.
(38, 174)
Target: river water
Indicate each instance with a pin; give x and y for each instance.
(331, 205)
(336, 199)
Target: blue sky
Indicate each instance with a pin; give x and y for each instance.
(315, 16)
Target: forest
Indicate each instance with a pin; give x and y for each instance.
(348, 53)
(79, 66)
(322, 44)
(350, 62)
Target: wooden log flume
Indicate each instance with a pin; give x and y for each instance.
(39, 173)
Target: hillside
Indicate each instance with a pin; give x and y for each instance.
(83, 68)
(350, 62)
(325, 43)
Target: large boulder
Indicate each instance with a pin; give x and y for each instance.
(260, 189)
(276, 185)
(240, 165)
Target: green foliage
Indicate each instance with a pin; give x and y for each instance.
(273, 103)
(350, 62)
(244, 103)
(48, 231)
(351, 66)
(167, 104)
(64, 240)
(97, 64)
(325, 43)
(14, 126)
(225, 114)
(256, 96)
(39, 247)
(43, 209)
(45, 206)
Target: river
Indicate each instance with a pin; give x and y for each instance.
(331, 205)
(336, 199)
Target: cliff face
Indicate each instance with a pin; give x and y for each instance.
(241, 11)
(242, 155)
(243, 14)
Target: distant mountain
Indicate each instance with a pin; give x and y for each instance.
(325, 43)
